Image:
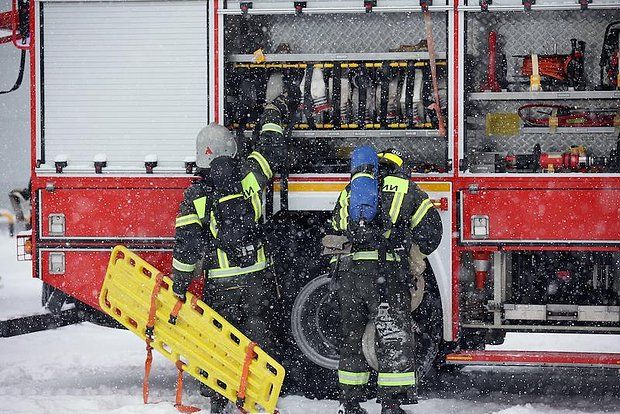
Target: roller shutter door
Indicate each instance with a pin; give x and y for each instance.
(126, 79)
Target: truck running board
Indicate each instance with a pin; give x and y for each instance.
(534, 358)
(36, 323)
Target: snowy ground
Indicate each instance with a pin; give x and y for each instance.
(87, 368)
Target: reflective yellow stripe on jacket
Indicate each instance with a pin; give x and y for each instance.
(370, 255)
(419, 214)
(187, 220)
(225, 271)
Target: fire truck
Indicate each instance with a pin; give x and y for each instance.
(508, 111)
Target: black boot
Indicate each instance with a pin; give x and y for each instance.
(351, 408)
(218, 404)
(391, 407)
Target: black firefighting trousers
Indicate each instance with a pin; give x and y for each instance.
(361, 302)
(245, 302)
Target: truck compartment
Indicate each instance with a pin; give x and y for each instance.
(562, 215)
(108, 214)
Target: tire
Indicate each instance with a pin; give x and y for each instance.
(297, 255)
(316, 337)
(314, 323)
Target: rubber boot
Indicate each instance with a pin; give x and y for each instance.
(391, 407)
(351, 408)
(218, 404)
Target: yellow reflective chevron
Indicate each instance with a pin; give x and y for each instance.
(343, 200)
(395, 379)
(200, 204)
(353, 378)
(213, 224)
(271, 127)
(187, 220)
(264, 165)
(183, 267)
(419, 214)
(229, 197)
(222, 259)
(251, 190)
(213, 351)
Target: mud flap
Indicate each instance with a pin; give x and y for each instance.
(211, 349)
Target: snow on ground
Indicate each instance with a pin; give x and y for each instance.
(87, 368)
(20, 293)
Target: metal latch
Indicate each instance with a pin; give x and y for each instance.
(369, 4)
(527, 4)
(484, 4)
(300, 6)
(473, 188)
(480, 227)
(57, 263)
(584, 4)
(56, 223)
(245, 6)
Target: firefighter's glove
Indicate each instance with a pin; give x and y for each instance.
(280, 104)
(180, 283)
(417, 264)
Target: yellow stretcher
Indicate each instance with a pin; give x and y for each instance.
(200, 341)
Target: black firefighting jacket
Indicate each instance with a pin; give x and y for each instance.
(409, 217)
(195, 224)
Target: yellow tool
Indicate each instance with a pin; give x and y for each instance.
(502, 124)
(203, 343)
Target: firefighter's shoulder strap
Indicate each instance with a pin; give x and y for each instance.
(399, 187)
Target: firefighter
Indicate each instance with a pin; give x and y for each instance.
(391, 226)
(219, 229)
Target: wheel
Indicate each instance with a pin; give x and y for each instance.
(298, 260)
(315, 322)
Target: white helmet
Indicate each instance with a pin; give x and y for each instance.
(214, 141)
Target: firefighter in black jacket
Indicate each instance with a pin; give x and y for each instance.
(219, 229)
(375, 278)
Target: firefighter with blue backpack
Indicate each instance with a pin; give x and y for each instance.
(390, 226)
(219, 229)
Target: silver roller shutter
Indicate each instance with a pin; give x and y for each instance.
(126, 79)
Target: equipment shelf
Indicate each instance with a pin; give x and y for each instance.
(568, 130)
(361, 133)
(334, 57)
(532, 96)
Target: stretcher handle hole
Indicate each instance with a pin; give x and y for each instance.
(271, 368)
(105, 299)
(221, 384)
(133, 323)
(204, 374)
(120, 255)
(235, 339)
(146, 271)
(217, 324)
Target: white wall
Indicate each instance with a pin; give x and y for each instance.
(14, 121)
